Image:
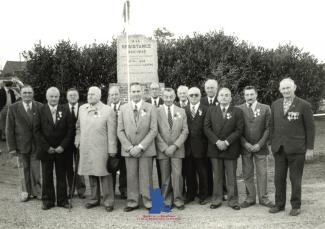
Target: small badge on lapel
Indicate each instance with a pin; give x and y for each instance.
(217, 103)
(257, 112)
(96, 113)
(228, 116)
(143, 112)
(177, 115)
(59, 115)
(293, 115)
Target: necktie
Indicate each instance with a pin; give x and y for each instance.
(156, 103)
(170, 119)
(250, 109)
(193, 111)
(183, 104)
(74, 118)
(135, 113)
(286, 105)
(210, 102)
(115, 107)
(54, 115)
(29, 111)
(224, 112)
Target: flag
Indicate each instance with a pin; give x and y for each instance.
(126, 11)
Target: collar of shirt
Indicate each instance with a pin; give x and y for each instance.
(138, 104)
(117, 105)
(171, 109)
(226, 107)
(75, 108)
(210, 100)
(25, 105)
(153, 100)
(53, 107)
(181, 102)
(253, 105)
(196, 106)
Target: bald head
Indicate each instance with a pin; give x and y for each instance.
(94, 95)
(224, 96)
(114, 95)
(194, 95)
(53, 96)
(211, 87)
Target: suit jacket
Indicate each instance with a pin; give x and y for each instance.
(205, 101)
(197, 143)
(119, 148)
(175, 136)
(21, 130)
(229, 128)
(3, 97)
(295, 130)
(161, 101)
(143, 132)
(54, 135)
(74, 121)
(256, 129)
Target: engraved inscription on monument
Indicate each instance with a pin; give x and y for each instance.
(143, 60)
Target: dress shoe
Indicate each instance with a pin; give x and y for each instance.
(203, 201)
(295, 212)
(276, 209)
(188, 200)
(129, 209)
(236, 207)
(181, 207)
(214, 206)
(267, 204)
(246, 204)
(81, 196)
(91, 205)
(47, 206)
(109, 208)
(66, 205)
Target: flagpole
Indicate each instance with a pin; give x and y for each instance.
(126, 21)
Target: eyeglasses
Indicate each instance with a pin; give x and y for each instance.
(194, 95)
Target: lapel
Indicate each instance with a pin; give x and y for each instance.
(176, 110)
(22, 111)
(292, 106)
(130, 112)
(164, 116)
(225, 120)
(49, 114)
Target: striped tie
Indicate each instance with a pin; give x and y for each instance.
(193, 112)
(170, 119)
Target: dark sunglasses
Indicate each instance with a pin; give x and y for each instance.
(194, 95)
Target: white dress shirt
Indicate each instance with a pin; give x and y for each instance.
(75, 109)
(253, 105)
(138, 105)
(171, 110)
(25, 105)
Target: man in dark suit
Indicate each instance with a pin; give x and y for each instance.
(182, 94)
(196, 149)
(211, 89)
(114, 101)
(223, 127)
(55, 136)
(7, 97)
(254, 147)
(292, 135)
(156, 101)
(21, 131)
(71, 153)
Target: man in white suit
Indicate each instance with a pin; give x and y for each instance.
(172, 133)
(137, 129)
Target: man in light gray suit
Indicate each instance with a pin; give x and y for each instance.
(137, 129)
(22, 131)
(172, 133)
(254, 147)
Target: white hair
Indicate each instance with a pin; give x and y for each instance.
(224, 89)
(154, 84)
(96, 90)
(288, 81)
(193, 90)
(52, 89)
(182, 87)
(211, 81)
(114, 88)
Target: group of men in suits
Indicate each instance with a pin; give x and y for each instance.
(195, 143)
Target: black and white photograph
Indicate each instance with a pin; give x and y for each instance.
(162, 114)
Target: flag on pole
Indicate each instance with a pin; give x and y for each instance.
(126, 11)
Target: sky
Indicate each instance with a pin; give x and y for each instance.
(259, 22)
